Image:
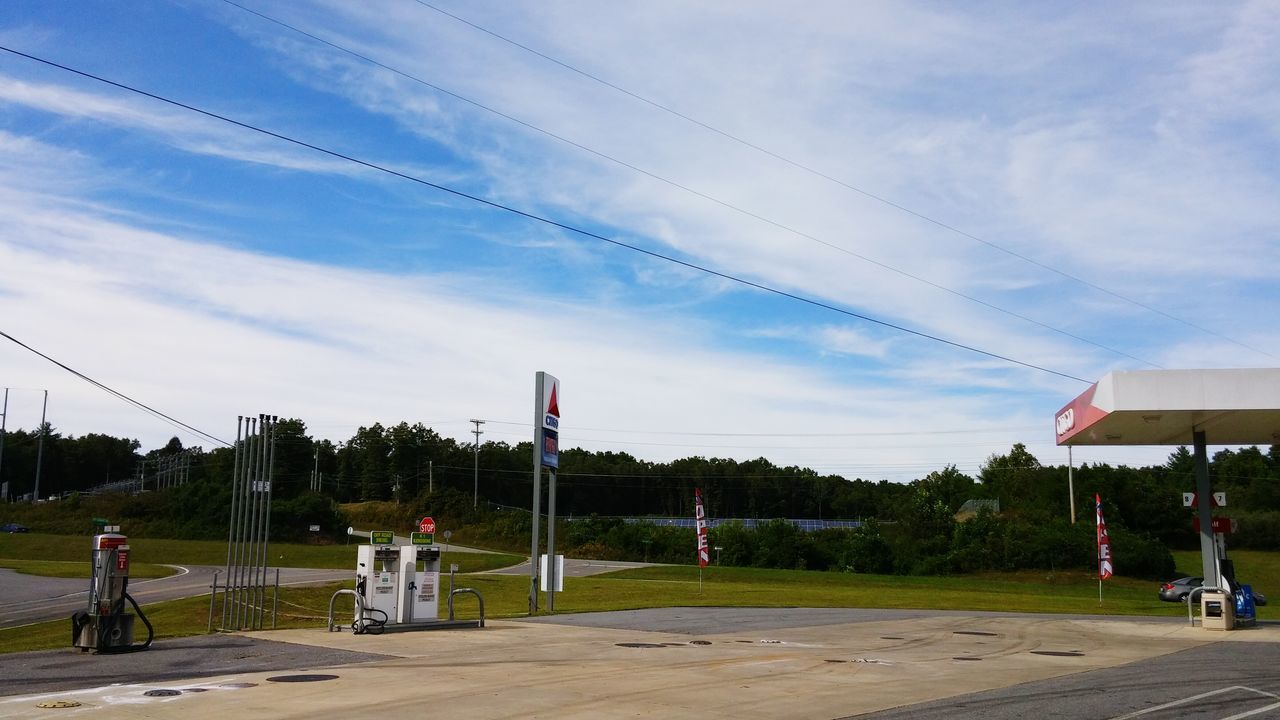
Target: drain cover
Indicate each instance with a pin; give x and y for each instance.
(190, 690)
(57, 704)
(162, 692)
(836, 661)
(891, 637)
(699, 642)
(1058, 653)
(975, 632)
(640, 645)
(239, 685)
(966, 658)
(301, 678)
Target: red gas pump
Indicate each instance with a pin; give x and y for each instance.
(106, 626)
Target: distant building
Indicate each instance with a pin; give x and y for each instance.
(971, 508)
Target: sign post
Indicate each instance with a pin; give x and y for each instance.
(546, 454)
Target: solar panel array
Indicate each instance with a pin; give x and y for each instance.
(807, 525)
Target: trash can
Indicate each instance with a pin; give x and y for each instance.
(1217, 612)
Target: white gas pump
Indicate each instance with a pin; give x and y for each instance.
(105, 626)
(378, 584)
(420, 583)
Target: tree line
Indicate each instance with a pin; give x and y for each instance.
(404, 462)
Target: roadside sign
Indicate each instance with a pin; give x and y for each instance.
(382, 537)
(422, 538)
(427, 525)
(315, 528)
(1192, 499)
(1220, 525)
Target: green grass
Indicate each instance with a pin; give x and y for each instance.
(72, 548)
(507, 596)
(1258, 568)
(70, 569)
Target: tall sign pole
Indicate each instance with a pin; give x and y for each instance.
(546, 454)
(4, 415)
(35, 494)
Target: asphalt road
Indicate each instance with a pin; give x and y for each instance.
(166, 661)
(1220, 680)
(29, 599)
(577, 568)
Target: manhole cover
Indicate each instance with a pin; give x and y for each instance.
(57, 704)
(1058, 653)
(837, 661)
(302, 678)
(975, 632)
(162, 692)
(239, 685)
(640, 645)
(190, 690)
(699, 642)
(966, 658)
(891, 637)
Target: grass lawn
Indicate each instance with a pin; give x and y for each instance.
(1258, 568)
(70, 569)
(507, 596)
(75, 549)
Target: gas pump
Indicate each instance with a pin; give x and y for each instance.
(378, 585)
(420, 577)
(105, 626)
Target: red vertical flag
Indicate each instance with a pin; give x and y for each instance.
(700, 520)
(1104, 543)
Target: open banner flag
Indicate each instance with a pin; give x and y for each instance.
(700, 520)
(1104, 543)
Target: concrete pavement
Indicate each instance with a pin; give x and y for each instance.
(752, 663)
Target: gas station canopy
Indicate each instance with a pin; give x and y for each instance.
(1165, 407)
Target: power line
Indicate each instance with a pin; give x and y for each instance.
(140, 405)
(801, 435)
(818, 173)
(685, 188)
(554, 223)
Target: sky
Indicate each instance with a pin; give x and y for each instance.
(871, 238)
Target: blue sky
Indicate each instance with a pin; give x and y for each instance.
(1097, 184)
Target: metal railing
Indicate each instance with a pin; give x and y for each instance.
(473, 591)
(359, 607)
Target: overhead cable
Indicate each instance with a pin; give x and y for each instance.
(830, 178)
(553, 223)
(687, 189)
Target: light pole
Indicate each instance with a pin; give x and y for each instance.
(475, 494)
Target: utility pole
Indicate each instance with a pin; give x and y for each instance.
(315, 474)
(35, 495)
(475, 497)
(431, 476)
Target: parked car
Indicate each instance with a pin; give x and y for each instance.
(1178, 590)
(13, 528)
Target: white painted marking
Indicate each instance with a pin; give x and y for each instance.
(1202, 696)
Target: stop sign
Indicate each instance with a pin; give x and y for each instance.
(427, 525)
